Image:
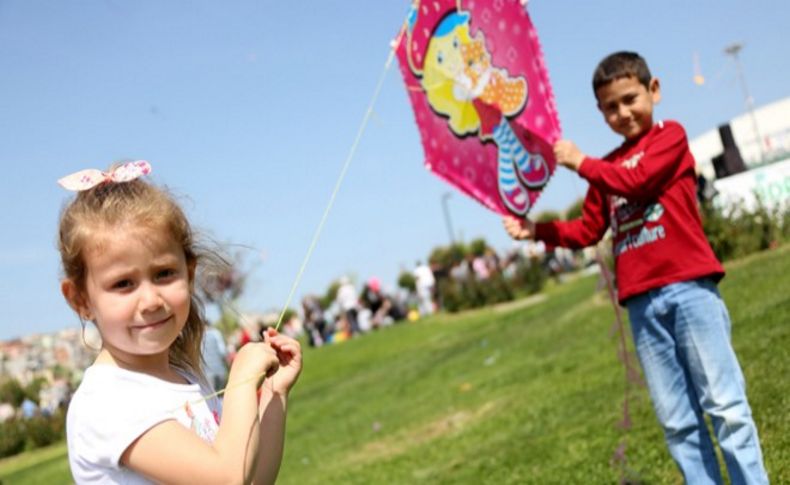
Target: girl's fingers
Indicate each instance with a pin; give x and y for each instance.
(285, 347)
(290, 347)
(282, 341)
(274, 366)
(289, 352)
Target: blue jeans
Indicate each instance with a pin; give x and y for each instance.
(682, 336)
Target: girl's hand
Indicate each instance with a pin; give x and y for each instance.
(253, 360)
(289, 352)
(519, 228)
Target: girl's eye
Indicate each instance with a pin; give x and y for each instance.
(455, 42)
(439, 57)
(165, 273)
(122, 284)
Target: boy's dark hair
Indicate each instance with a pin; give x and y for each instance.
(618, 65)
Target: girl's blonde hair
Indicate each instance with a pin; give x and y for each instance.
(142, 204)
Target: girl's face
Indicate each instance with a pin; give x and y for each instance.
(138, 287)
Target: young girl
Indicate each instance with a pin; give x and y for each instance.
(140, 414)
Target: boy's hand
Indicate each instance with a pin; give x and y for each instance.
(568, 154)
(289, 353)
(519, 228)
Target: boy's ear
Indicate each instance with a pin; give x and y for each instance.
(75, 299)
(598, 102)
(654, 88)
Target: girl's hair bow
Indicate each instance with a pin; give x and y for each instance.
(90, 178)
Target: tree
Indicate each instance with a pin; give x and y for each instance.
(221, 283)
(458, 252)
(407, 281)
(33, 389)
(330, 295)
(574, 211)
(548, 216)
(440, 256)
(12, 392)
(478, 247)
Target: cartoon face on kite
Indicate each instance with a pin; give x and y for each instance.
(446, 85)
(476, 97)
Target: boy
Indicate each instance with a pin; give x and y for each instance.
(645, 190)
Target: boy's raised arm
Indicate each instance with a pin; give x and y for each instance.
(648, 174)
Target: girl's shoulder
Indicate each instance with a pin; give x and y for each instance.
(104, 385)
(110, 397)
(112, 407)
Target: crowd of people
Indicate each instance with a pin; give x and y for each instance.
(348, 311)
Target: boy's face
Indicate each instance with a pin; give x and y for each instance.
(627, 105)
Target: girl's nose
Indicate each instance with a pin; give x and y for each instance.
(149, 297)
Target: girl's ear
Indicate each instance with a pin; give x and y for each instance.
(75, 299)
(191, 265)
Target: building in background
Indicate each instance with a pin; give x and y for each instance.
(763, 143)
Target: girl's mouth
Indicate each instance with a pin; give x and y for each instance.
(152, 325)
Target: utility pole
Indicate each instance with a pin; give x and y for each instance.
(447, 221)
(733, 50)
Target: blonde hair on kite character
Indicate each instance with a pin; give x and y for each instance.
(441, 66)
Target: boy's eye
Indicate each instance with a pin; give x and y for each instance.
(439, 57)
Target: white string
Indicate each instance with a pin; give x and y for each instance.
(338, 183)
(365, 120)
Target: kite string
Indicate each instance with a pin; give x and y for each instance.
(363, 125)
(340, 178)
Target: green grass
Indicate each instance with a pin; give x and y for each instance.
(520, 395)
(45, 465)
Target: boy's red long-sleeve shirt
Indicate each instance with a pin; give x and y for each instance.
(645, 191)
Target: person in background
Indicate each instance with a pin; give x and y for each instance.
(214, 352)
(314, 321)
(424, 281)
(383, 308)
(348, 301)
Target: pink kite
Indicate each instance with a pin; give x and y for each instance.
(482, 99)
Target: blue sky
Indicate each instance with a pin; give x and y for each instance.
(247, 109)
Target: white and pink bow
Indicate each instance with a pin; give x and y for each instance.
(90, 178)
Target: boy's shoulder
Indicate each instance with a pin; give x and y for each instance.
(661, 128)
(669, 126)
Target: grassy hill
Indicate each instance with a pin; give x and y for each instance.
(526, 393)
